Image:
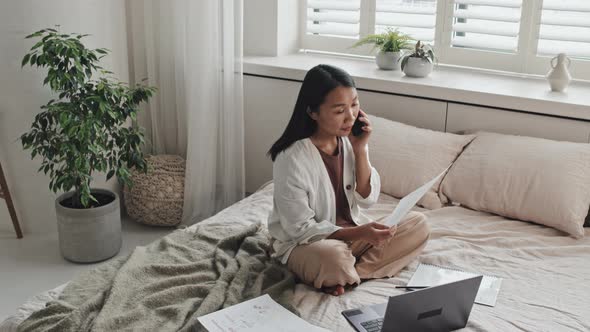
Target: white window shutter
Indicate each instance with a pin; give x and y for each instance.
(491, 25)
(339, 18)
(416, 18)
(565, 28)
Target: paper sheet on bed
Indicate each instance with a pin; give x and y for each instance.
(432, 275)
(261, 314)
(407, 203)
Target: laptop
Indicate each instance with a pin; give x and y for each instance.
(440, 308)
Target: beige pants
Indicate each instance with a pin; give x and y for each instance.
(332, 262)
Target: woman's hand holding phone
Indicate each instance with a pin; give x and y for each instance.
(360, 139)
(357, 127)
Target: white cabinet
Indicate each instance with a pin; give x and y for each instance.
(471, 118)
(269, 103)
(417, 112)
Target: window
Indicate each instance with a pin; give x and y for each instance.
(565, 27)
(509, 35)
(334, 18)
(486, 25)
(415, 18)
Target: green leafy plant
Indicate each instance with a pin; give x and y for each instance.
(86, 127)
(421, 50)
(392, 40)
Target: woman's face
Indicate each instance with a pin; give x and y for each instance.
(338, 112)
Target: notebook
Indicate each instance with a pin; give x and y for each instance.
(432, 275)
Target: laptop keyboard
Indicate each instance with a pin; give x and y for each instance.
(373, 325)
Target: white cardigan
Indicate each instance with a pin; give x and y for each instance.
(304, 204)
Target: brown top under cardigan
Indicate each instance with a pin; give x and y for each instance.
(334, 164)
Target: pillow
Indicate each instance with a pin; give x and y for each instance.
(526, 178)
(406, 157)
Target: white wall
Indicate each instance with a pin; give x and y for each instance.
(22, 93)
(271, 27)
(288, 26)
(268, 105)
(260, 33)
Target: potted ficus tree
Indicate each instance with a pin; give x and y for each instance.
(391, 44)
(419, 63)
(85, 129)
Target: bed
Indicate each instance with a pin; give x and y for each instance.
(546, 284)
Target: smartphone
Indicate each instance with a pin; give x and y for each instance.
(357, 127)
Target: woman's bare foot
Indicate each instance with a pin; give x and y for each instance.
(334, 290)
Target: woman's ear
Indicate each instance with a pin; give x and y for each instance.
(313, 115)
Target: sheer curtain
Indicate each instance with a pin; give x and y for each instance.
(192, 52)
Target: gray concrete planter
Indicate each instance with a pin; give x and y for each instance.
(388, 60)
(89, 235)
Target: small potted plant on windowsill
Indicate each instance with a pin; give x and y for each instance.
(83, 130)
(391, 44)
(420, 62)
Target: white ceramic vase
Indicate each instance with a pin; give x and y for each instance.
(388, 60)
(417, 67)
(559, 76)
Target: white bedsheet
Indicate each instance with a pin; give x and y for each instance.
(546, 274)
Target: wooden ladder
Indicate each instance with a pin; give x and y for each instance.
(4, 193)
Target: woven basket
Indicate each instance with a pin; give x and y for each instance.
(156, 197)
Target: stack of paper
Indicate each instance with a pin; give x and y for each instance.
(261, 314)
(432, 275)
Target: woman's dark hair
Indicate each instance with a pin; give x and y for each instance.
(318, 82)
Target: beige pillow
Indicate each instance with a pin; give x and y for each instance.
(406, 157)
(531, 179)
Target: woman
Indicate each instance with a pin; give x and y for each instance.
(322, 178)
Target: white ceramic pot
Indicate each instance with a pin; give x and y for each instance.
(388, 60)
(417, 67)
(89, 235)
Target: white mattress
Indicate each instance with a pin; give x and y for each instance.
(546, 284)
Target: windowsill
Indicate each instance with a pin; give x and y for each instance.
(450, 84)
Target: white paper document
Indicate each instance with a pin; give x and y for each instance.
(407, 203)
(261, 314)
(432, 275)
